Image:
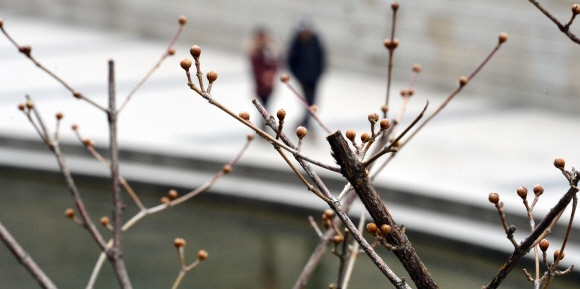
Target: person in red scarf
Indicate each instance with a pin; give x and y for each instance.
(265, 60)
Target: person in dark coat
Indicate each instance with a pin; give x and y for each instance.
(306, 61)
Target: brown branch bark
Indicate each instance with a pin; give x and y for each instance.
(563, 28)
(116, 256)
(336, 207)
(25, 259)
(354, 171)
(528, 243)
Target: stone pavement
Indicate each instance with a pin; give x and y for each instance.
(473, 147)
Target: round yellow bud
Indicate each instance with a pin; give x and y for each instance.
(301, 132)
(195, 51)
(493, 198)
(212, 76)
(202, 255)
(172, 194)
(179, 242)
(69, 213)
(185, 64)
(105, 221)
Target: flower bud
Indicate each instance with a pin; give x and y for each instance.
(171, 51)
(385, 124)
(77, 94)
(390, 45)
(202, 255)
(59, 115)
(88, 142)
(411, 91)
(314, 108)
(384, 108)
(386, 229)
(373, 117)
(179, 242)
(503, 37)
(185, 64)
(250, 136)
(559, 163)
(538, 190)
(365, 137)
(164, 200)
(172, 194)
(69, 213)
(522, 192)
(558, 255)
(182, 20)
(329, 214)
(372, 228)
(227, 169)
(212, 76)
(21, 106)
(575, 10)
(463, 81)
(1, 22)
(105, 221)
(493, 198)
(337, 239)
(74, 126)
(395, 6)
(284, 78)
(245, 115)
(403, 92)
(416, 68)
(301, 132)
(281, 114)
(387, 43)
(25, 50)
(195, 51)
(544, 244)
(350, 134)
(30, 104)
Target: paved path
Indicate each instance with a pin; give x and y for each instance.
(473, 147)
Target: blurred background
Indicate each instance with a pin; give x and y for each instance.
(504, 130)
(446, 37)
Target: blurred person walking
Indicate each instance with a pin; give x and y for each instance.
(306, 59)
(265, 57)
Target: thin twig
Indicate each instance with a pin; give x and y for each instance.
(393, 146)
(25, 259)
(308, 108)
(26, 50)
(117, 251)
(536, 235)
(557, 261)
(390, 65)
(272, 139)
(168, 52)
(161, 207)
(353, 253)
(562, 28)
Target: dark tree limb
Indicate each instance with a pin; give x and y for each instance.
(532, 239)
(340, 213)
(354, 171)
(563, 28)
(25, 259)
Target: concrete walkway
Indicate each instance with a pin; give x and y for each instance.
(473, 147)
